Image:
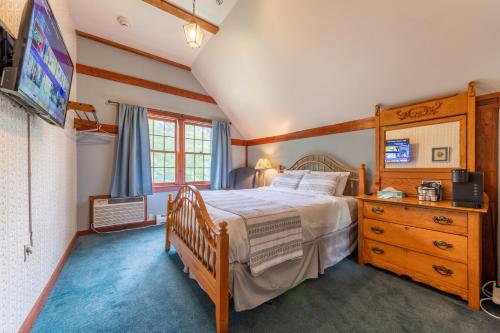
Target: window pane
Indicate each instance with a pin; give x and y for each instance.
(189, 133)
(198, 174)
(170, 160)
(158, 143)
(198, 161)
(189, 174)
(158, 175)
(189, 148)
(207, 147)
(158, 127)
(189, 161)
(158, 160)
(198, 132)
(207, 161)
(198, 146)
(207, 133)
(170, 175)
(170, 129)
(169, 144)
(150, 124)
(206, 175)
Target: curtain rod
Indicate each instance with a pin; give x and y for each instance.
(118, 103)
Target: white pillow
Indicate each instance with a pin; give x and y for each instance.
(287, 180)
(297, 172)
(342, 182)
(319, 183)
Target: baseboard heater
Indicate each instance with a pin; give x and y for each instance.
(117, 213)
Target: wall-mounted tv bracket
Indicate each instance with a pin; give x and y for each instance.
(6, 47)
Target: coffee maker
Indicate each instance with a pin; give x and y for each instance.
(468, 188)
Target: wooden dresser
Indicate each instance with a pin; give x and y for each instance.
(433, 243)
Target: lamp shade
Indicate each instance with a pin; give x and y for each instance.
(194, 34)
(262, 164)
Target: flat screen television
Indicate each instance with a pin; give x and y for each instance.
(397, 151)
(40, 73)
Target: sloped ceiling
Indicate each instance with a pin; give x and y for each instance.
(151, 29)
(279, 66)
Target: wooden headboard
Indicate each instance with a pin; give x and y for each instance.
(322, 162)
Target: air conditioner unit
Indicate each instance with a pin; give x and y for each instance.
(111, 212)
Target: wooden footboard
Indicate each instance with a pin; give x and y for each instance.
(203, 247)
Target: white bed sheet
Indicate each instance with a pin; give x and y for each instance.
(320, 215)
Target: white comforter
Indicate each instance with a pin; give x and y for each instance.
(320, 215)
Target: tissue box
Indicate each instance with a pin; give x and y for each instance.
(390, 194)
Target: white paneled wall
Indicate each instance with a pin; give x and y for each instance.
(54, 190)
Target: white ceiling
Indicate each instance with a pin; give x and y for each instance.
(279, 65)
(152, 30)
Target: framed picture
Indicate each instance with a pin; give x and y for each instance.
(441, 154)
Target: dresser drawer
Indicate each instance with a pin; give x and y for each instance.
(445, 245)
(429, 218)
(422, 267)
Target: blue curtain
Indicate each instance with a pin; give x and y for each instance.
(132, 172)
(221, 155)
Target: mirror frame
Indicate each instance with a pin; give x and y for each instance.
(463, 143)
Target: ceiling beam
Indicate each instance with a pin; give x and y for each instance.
(183, 14)
(131, 49)
(138, 82)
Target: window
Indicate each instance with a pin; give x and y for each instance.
(180, 149)
(162, 141)
(198, 150)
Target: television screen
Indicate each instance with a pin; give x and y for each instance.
(47, 69)
(397, 151)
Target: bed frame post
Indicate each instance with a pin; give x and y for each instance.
(168, 222)
(222, 276)
(362, 180)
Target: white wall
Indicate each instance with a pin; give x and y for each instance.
(304, 64)
(54, 191)
(96, 155)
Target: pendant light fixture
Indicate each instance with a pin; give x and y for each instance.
(193, 31)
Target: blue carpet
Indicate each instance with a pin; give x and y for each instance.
(125, 282)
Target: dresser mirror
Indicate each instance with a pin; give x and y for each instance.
(434, 136)
(425, 145)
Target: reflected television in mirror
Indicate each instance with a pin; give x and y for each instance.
(397, 151)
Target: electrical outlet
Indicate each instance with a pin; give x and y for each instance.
(27, 252)
(496, 293)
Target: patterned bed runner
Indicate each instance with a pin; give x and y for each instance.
(274, 230)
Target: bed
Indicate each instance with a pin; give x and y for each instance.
(255, 244)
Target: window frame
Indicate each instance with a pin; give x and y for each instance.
(176, 151)
(199, 124)
(180, 154)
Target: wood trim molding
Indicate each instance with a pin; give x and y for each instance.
(183, 14)
(88, 125)
(349, 126)
(238, 142)
(131, 50)
(138, 82)
(40, 302)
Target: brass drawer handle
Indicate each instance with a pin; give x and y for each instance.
(443, 270)
(377, 210)
(378, 250)
(443, 220)
(377, 230)
(442, 245)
